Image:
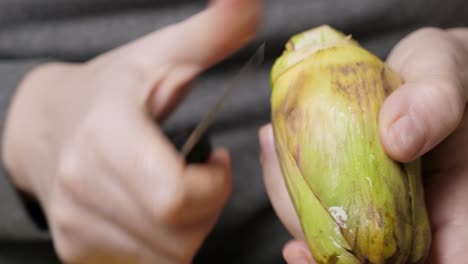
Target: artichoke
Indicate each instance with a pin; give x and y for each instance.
(355, 204)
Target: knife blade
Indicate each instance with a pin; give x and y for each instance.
(197, 140)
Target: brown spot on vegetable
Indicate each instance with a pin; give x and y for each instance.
(345, 69)
(373, 214)
(362, 66)
(333, 259)
(290, 109)
(348, 81)
(386, 86)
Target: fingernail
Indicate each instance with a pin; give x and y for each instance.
(266, 141)
(407, 136)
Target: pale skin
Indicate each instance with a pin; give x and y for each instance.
(426, 117)
(83, 140)
(121, 192)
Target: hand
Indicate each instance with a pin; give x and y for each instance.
(426, 116)
(82, 139)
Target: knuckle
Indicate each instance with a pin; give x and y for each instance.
(63, 223)
(67, 252)
(171, 210)
(142, 161)
(169, 199)
(447, 93)
(64, 226)
(428, 31)
(449, 89)
(70, 177)
(454, 101)
(103, 146)
(139, 67)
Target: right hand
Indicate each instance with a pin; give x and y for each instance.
(82, 140)
(432, 101)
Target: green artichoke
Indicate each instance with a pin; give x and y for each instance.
(355, 204)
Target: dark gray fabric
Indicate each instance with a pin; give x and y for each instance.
(76, 30)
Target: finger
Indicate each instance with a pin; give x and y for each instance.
(275, 185)
(128, 173)
(431, 102)
(79, 234)
(96, 183)
(206, 188)
(297, 252)
(202, 39)
(204, 191)
(151, 174)
(181, 51)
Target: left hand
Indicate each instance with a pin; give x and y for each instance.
(84, 140)
(425, 117)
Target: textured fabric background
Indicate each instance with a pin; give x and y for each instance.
(76, 30)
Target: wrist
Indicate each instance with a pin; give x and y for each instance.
(17, 133)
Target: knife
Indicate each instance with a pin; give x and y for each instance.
(194, 144)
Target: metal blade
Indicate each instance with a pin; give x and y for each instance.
(210, 116)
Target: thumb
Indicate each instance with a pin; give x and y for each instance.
(430, 104)
(174, 55)
(203, 39)
(275, 185)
